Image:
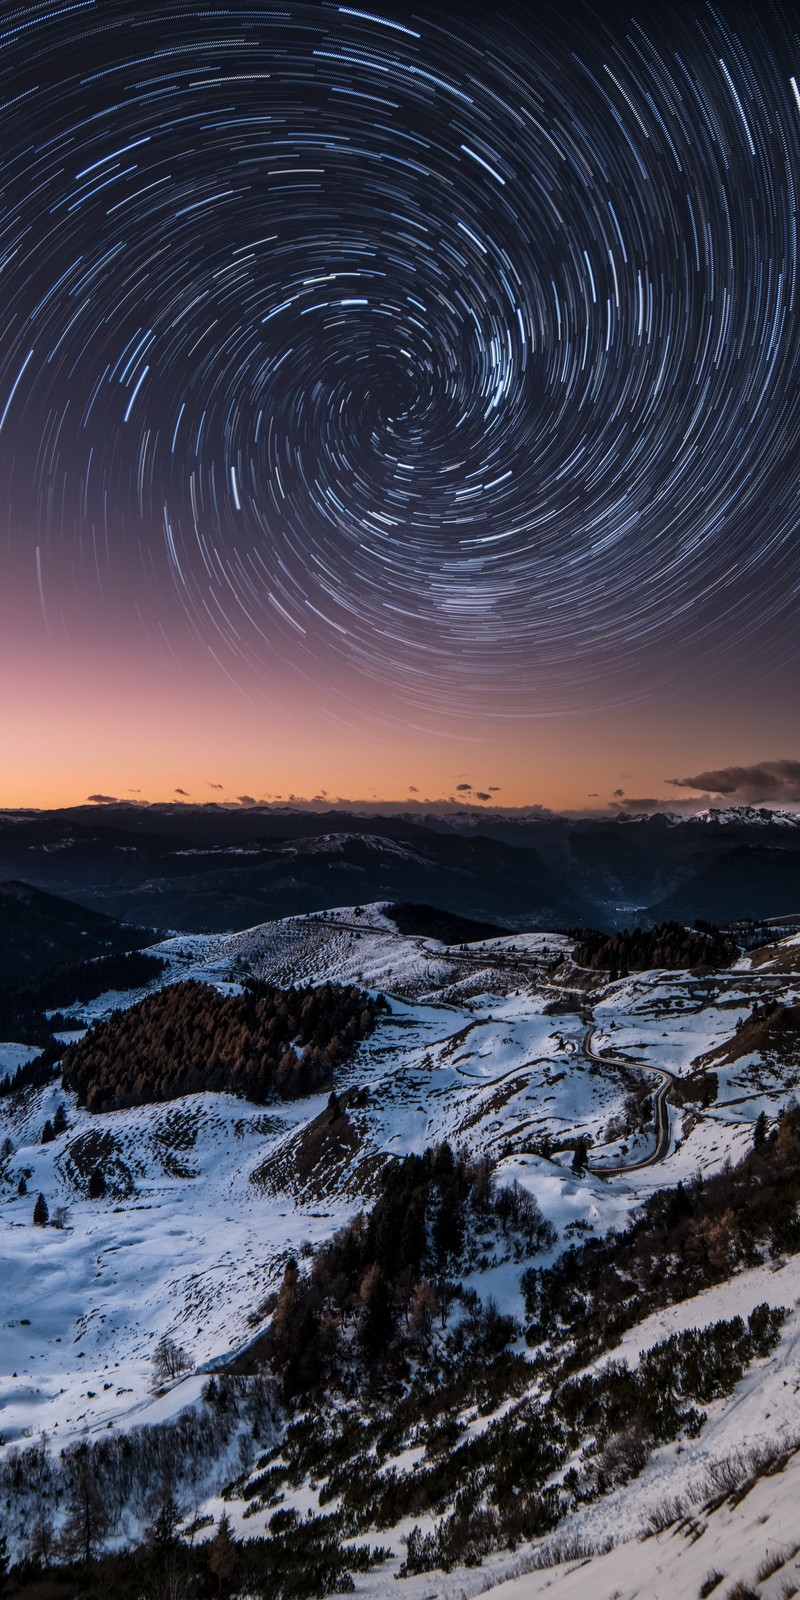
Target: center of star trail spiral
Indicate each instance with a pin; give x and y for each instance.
(463, 356)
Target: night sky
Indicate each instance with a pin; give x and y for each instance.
(396, 400)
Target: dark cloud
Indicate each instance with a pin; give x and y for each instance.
(184, 792)
(462, 788)
(481, 796)
(103, 799)
(412, 790)
(495, 789)
(637, 803)
(247, 800)
(775, 781)
(215, 785)
(618, 793)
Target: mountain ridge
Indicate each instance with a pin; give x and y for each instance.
(212, 867)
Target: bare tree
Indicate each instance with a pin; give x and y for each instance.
(87, 1522)
(170, 1360)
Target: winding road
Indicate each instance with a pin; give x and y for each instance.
(487, 958)
(662, 1124)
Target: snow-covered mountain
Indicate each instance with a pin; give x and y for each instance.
(503, 1048)
(745, 817)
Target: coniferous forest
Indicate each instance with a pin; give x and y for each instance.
(263, 1043)
(29, 1010)
(669, 945)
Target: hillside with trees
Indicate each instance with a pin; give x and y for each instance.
(388, 1275)
(29, 1011)
(261, 1044)
(668, 946)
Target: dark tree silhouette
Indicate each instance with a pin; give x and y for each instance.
(97, 1184)
(580, 1160)
(669, 945)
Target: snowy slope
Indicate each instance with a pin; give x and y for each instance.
(211, 1194)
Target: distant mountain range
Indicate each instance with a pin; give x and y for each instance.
(210, 868)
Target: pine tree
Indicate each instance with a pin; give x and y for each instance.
(448, 1229)
(580, 1160)
(167, 1555)
(41, 1215)
(22, 1186)
(87, 1519)
(222, 1553)
(283, 1315)
(164, 1535)
(377, 1322)
(760, 1130)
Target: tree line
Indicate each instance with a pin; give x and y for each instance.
(23, 1008)
(669, 946)
(374, 1292)
(262, 1043)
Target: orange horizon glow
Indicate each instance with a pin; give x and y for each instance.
(117, 721)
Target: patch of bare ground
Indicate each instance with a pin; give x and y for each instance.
(777, 958)
(95, 1149)
(571, 977)
(265, 1126)
(772, 1031)
(456, 1040)
(178, 1130)
(314, 1159)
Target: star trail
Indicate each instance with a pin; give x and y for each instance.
(452, 354)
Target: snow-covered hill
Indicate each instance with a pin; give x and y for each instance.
(483, 1045)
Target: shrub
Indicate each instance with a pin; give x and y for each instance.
(710, 1583)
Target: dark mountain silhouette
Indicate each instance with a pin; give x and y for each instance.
(215, 867)
(746, 881)
(39, 931)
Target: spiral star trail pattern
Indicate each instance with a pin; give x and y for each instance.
(457, 355)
